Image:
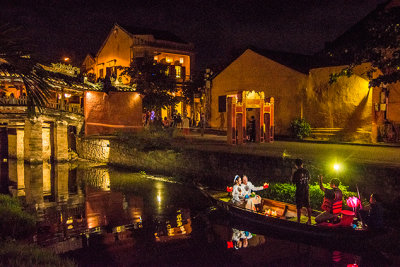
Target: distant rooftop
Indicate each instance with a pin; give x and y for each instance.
(299, 62)
(158, 34)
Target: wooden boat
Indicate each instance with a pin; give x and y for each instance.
(279, 219)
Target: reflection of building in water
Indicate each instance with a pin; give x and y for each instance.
(135, 206)
(178, 227)
(45, 188)
(105, 208)
(16, 177)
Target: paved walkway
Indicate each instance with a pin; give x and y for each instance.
(381, 154)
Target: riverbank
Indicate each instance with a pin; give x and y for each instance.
(212, 161)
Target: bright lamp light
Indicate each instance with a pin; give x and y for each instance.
(336, 166)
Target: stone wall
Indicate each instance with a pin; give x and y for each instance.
(219, 168)
(93, 149)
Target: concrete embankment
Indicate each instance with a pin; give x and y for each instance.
(194, 161)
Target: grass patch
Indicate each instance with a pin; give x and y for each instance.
(14, 222)
(21, 255)
(152, 138)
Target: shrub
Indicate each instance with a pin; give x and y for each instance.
(285, 192)
(21, 255)
(14, 222)
(300, 128)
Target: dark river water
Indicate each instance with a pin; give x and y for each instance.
(100, 216)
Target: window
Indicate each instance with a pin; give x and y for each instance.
(178, 71)
(181, 60)
(101, 73)
(222, 103)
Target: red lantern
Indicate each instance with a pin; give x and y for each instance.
(353, 202)
(229, 189)
(229, 244)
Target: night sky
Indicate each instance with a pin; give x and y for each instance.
(218, 29)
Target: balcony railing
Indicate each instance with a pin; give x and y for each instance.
(22, 101)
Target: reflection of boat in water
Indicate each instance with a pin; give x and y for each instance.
(174, 228)
(279, 219)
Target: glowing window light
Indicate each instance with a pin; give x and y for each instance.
(178, 71)
(181, 60)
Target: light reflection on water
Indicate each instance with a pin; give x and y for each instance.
(125, 216)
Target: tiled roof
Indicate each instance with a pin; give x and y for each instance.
(158, 34)
(299, 62)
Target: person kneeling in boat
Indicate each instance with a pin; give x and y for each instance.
(373, 216)
(332, 204)
(238, 192)
(252, 200)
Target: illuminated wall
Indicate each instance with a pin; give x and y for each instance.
(346, 103)
(252, 71)
(115, 111)
(116, 51)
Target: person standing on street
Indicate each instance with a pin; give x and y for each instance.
(301, 178)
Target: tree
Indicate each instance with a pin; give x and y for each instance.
(17, 59)
(155, 81)
(192, 87)
(375, 40)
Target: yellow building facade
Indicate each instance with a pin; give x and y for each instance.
(124, 43)
(254, 72)
(344, 108)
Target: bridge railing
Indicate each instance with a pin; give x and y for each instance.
(12, 101)
(22, 101)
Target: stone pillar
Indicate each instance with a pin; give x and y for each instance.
(33, 148)
(15, 134)
(46, 131)
(34, 185)
(60, 141)
(61, 182)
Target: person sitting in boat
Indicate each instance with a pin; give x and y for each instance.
(237, 191)
(332, 205)
(373, 216)
(252, 200)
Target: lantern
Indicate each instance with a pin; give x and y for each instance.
(353, 202)
(229, 189)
